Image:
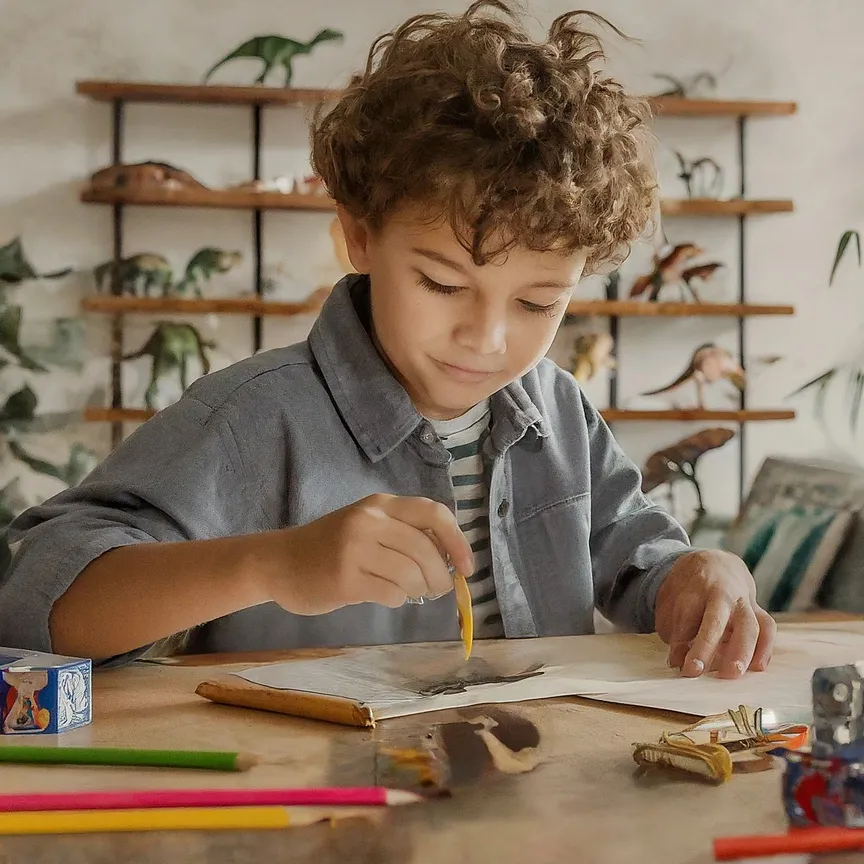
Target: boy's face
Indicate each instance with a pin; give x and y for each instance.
(453, 332)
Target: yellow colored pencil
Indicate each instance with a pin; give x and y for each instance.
(151, 819)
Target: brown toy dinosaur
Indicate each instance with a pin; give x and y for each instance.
(144, 175)
(678, 461)
(708, 364)
(702, 272)
(667, 271)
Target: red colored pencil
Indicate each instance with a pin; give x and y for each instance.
(145, 798)
(801, 841)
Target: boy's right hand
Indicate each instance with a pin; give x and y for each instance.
(382, 549)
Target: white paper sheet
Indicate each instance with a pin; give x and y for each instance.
(396, 680)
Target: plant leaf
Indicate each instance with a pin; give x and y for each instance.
(819, 381)
(841, 249)
(856, 388)
(21, 405)
(38, 465)
(10, 328)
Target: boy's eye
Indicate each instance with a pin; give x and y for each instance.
(437, 287)
(540, 310)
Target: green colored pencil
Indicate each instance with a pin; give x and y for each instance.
(212, 760)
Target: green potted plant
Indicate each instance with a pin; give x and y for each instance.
(852, 370)
(19, 417)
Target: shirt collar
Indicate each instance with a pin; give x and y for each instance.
(373, 404)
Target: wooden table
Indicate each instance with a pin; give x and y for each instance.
(582, 803)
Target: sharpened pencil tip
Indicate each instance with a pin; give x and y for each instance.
(245, 761)
(402, 796)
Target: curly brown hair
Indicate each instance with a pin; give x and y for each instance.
(511, 140)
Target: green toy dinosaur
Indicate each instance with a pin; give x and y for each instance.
(204, 264)
(147, 269)
(171, 345)
(276, 51)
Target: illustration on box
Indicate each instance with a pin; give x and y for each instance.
(43, 693)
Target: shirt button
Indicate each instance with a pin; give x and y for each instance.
(503, 508)
(427, 436)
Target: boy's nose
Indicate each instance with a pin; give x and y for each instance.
(484, 333)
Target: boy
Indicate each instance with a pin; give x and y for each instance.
(304, 495)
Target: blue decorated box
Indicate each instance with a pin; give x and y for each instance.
(43, 693)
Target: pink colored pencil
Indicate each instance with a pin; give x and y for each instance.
(137, 798)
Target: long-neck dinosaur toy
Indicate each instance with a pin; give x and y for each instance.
(275, 51)
(708, 364)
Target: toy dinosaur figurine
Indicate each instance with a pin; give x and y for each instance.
(702, 272)
(667, 271)
(16, 268)
(692, 172)
(204, 264)
(591, 353)
(275, 51)
(171, 345)
(708, 364)
(143, 175)
(146, 270)
(685, 87)
(679, 461)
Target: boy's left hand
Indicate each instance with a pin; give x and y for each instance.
(706, 612)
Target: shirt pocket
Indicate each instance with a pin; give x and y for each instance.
(556, 571)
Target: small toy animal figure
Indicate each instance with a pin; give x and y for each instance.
(686, 87)
(667, 271)
(275, 51)
(204, 264)
(701, 272)
(144, 175)
(708, 364)
(171, 345)
(15, 267)
(591, 353)
(678, 461)
(137, 272)
(692, 172)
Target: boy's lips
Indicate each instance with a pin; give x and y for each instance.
(464, 373)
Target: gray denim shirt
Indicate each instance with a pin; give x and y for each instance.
(288, 435)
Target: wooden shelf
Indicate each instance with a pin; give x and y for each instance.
(232, 199)
(672, 414)
(221, 198)
(642, 309)
(731, 207)
(192, 305)
(220, 94)
(139, 415)
(676, 106)
(117, 415)
(115, 305)
(205, 94)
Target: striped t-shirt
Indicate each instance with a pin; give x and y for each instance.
(463, 437)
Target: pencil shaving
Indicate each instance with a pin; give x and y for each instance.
(466, 614)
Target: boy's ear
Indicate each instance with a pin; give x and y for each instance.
(356, 239)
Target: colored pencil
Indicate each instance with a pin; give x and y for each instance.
(213, 760)
(147, 798)
(799, 841)
(178, 819)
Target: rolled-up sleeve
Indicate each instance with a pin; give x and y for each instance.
(176, 477)
(634, 542)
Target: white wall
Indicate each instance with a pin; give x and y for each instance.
(52, 140)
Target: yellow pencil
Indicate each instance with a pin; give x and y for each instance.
(151, 819)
